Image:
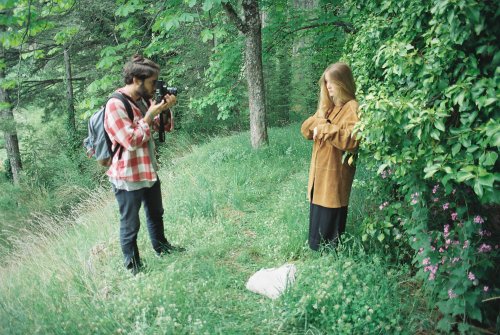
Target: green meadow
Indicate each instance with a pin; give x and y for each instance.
(236, 210)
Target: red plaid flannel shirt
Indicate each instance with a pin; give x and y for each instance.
(133, 135)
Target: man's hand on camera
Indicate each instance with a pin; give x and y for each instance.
(169, 100)
(156, 108)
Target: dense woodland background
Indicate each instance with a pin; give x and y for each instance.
(428, 83)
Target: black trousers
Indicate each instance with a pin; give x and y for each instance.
(326, 225)
(129, 203)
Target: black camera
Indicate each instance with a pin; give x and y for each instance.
(161, 90)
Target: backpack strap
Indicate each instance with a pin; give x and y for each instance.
(130, 114)
(125, 101)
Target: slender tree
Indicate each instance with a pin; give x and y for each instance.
(69, 92)
(250, 26)
(8, 124)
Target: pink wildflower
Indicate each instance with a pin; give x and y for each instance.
(471, 276)
(446, 230)
(435, 199)
(486, 289)
(484, 248)
(426, 261)
(455, 259)
(478, 219)
(445, 206)
(414, 198)
(434, 190)
(441, 250)
(484, 233)
(454, 216)
(451, 294)
(466, 244)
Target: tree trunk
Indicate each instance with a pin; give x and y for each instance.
(251, 27)
(69, 94)
(8, 126)
(255, 77)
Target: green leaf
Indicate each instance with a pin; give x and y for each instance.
(463, 176)
(207, 5)
(419, 133)
(206, 35)
(487, 180)
(445, 323)
(439, 125)
(430, 170)
(456, 148)
(459, 99)
(475, 313)
(490, 158)
(381, 237)
(435, 134)
(478, 188)
(490, 101)
(381, 168)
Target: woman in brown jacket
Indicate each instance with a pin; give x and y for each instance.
(330, 177)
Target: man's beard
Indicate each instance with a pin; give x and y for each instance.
(143, 93)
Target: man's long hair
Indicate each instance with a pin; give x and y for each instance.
(140, 68)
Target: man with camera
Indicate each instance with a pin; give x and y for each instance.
(133, 170)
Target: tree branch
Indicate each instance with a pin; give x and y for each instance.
(28, 22)
(233, 16)
(51, 81)
(347, 28)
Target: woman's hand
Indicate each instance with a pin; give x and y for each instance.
(315, 133)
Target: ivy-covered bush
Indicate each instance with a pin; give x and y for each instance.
(428, 85)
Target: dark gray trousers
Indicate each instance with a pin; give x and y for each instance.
(129, 203)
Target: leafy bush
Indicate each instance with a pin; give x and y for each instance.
(428, 84)
(348, 294)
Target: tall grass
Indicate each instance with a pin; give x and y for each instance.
(236, 210)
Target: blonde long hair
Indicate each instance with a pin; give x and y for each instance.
(341, 75)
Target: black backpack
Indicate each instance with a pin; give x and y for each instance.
(98, 144)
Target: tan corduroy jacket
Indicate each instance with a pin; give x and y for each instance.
(332, 179)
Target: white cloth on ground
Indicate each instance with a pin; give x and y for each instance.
(272, 282)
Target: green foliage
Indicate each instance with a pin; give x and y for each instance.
(428, 83)
(54, 178)
(337, 295)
